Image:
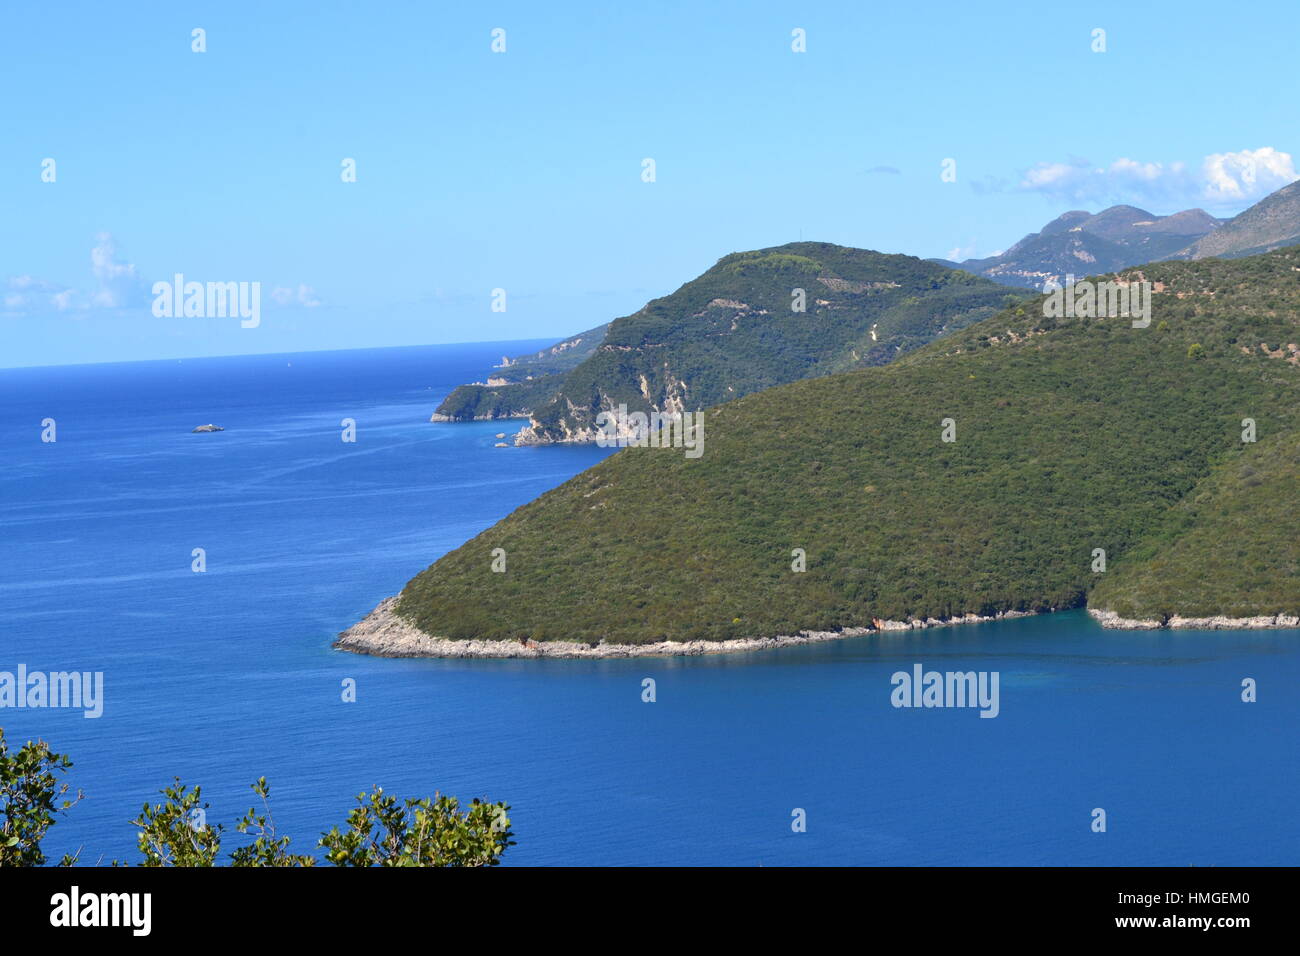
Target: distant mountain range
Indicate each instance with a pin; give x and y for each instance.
(1080, 243)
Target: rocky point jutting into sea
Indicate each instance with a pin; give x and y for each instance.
(384, 633)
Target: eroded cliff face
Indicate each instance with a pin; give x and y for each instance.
(560, 433)
(666, 394)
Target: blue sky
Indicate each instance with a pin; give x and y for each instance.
(522, 170)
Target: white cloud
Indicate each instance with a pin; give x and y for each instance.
(26, 292)
(117, 285)
(120, 285)
(304, 296)
(1223, 179)
(65, 300)
(1248, 174)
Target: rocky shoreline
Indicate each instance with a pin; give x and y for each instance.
(1218, 622)
(383, 633)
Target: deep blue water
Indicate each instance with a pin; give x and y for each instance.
(228, 675)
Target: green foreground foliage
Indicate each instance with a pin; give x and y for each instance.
(379, 831)
(31, 798)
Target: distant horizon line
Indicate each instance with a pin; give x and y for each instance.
(364, 348)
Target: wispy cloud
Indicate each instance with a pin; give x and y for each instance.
(1222, 179)
(24, 291)
(303, 295)
(117, 285)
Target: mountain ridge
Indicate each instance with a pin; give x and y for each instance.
(1271, 223)
(1080, 243)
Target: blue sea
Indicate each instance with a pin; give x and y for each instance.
(224, 676)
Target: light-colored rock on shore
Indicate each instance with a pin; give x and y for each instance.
(383, 633)
(1216, 623)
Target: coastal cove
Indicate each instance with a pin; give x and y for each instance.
(227, 675)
